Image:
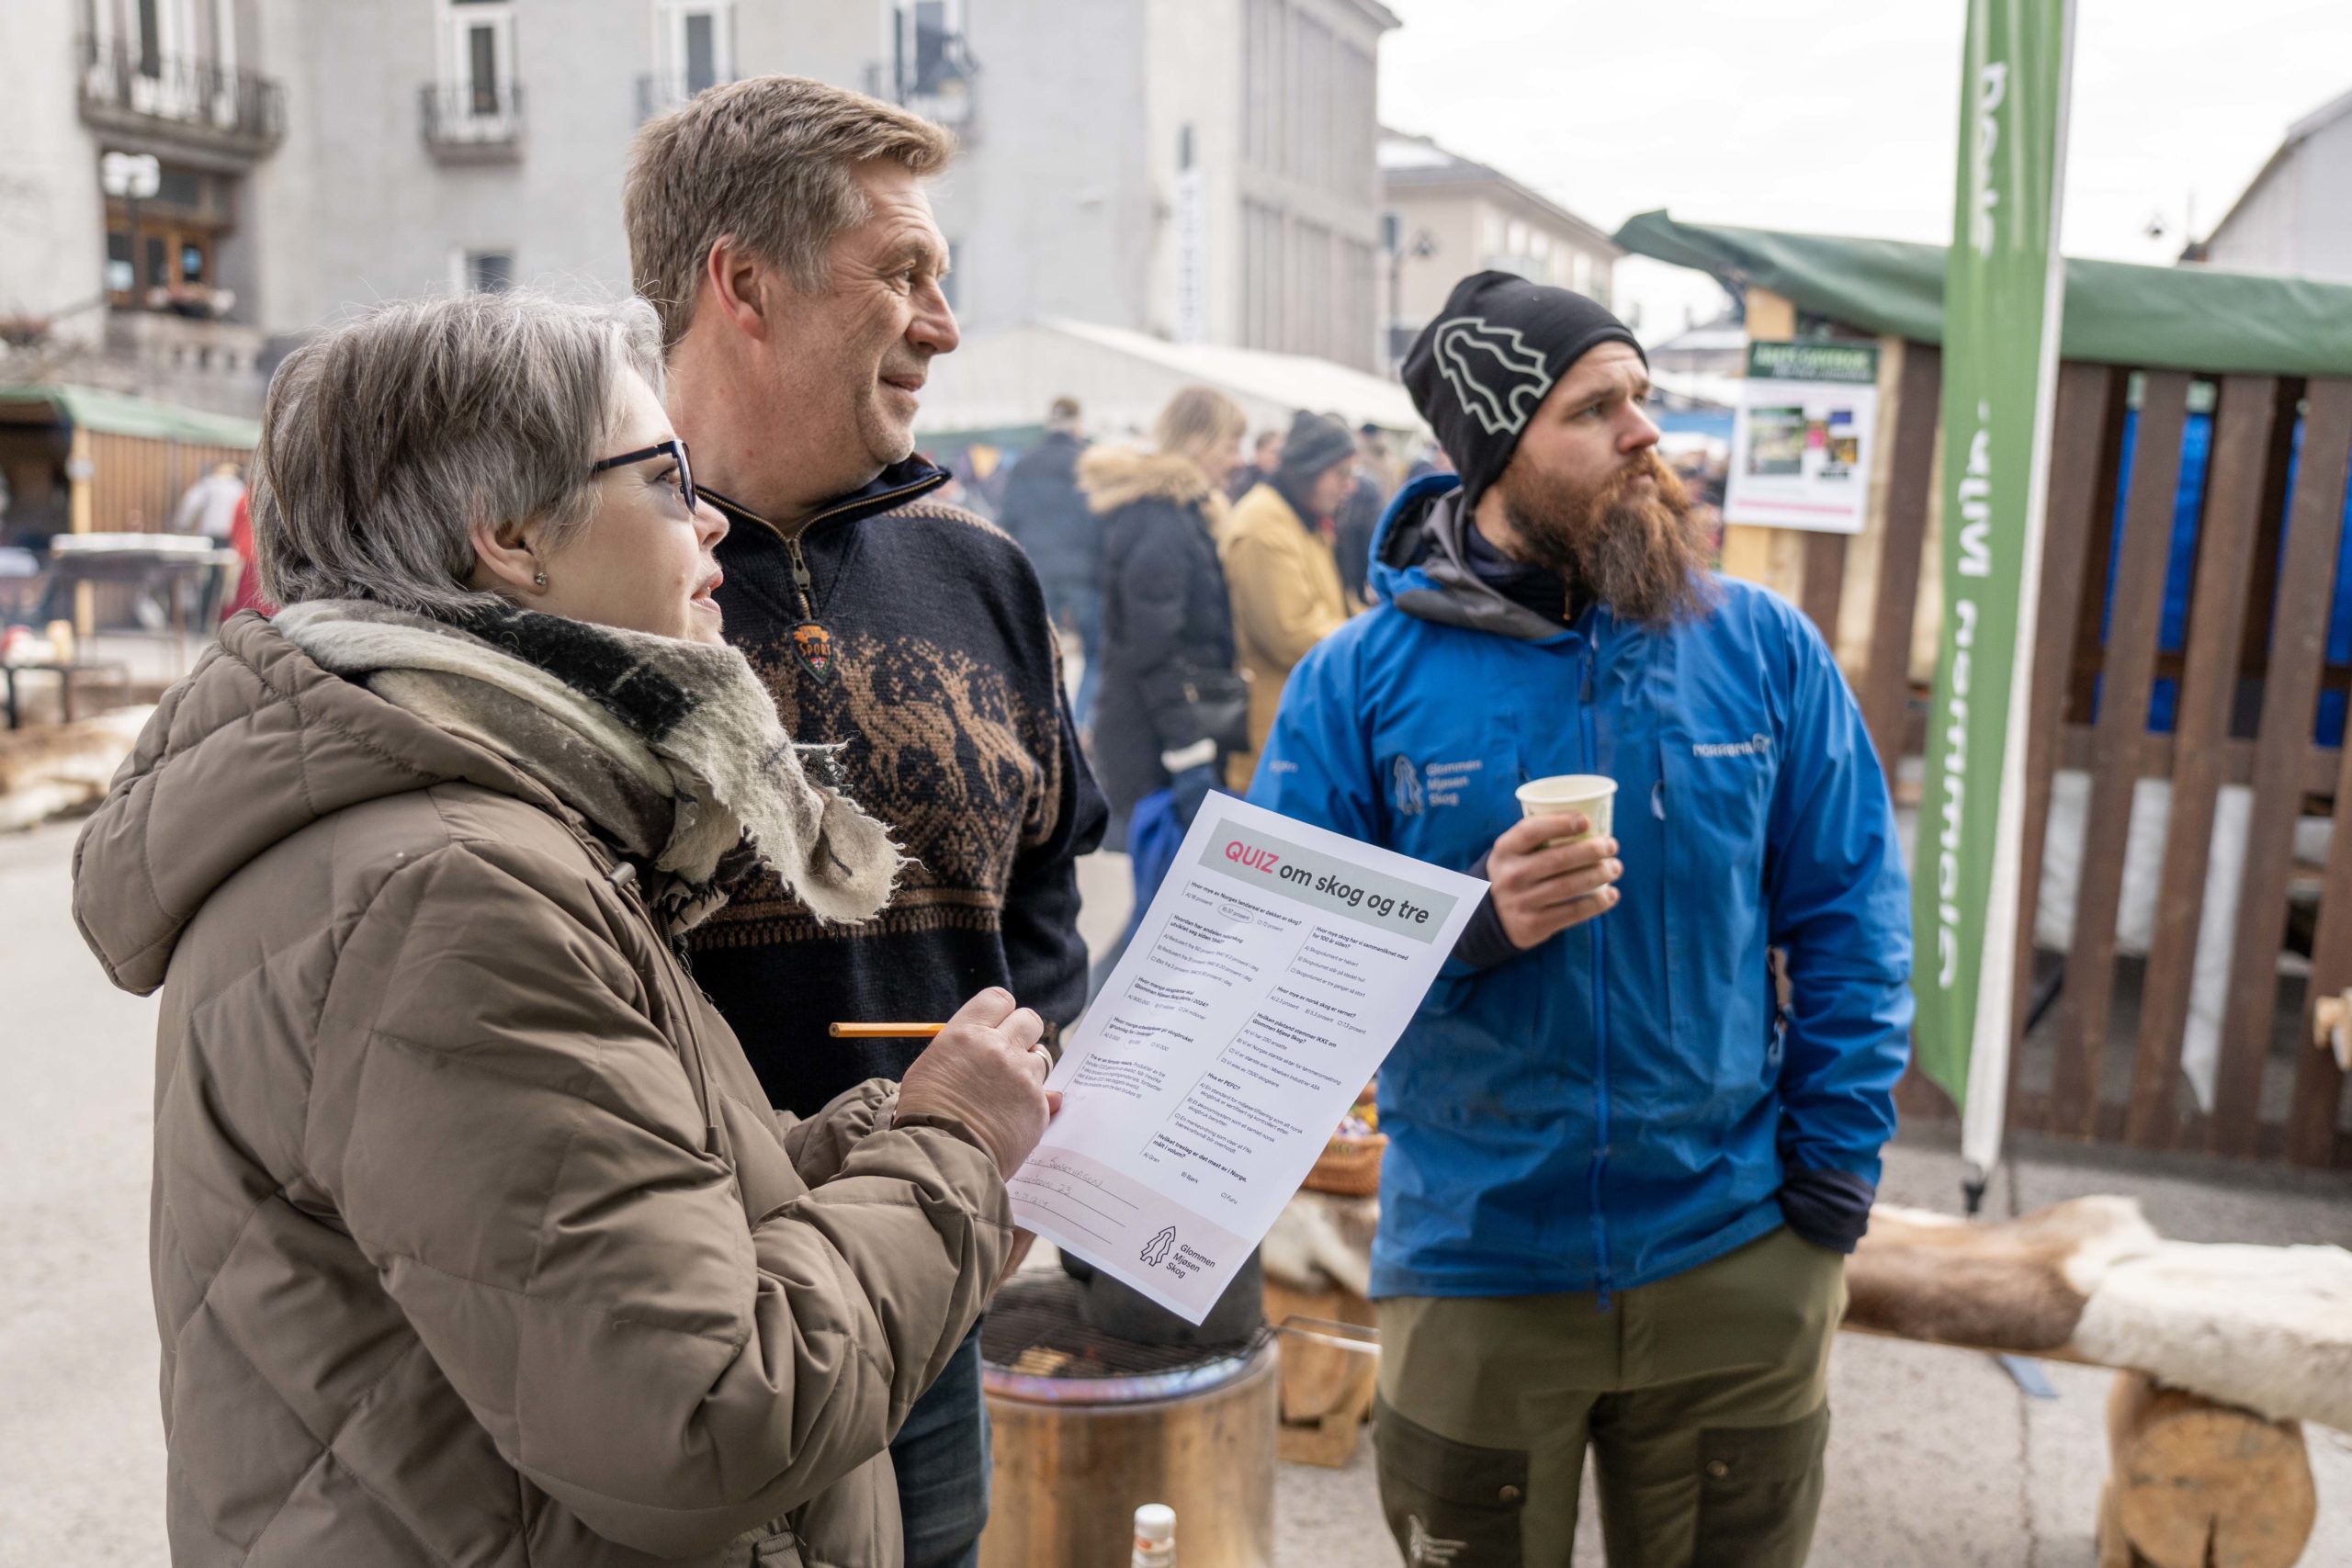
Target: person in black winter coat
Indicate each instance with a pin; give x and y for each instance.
(1043, 510)
(1166, 616)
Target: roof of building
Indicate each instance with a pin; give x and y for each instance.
(1707, 388)
(2183, 318)
(1723, 334)
(120, 413)
(1418, 163)
(2303, 131)
(1002, 380)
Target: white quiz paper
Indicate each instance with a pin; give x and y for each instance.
(1275, 968)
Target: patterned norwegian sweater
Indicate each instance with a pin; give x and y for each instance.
(936, 671)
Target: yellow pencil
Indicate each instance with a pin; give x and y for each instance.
(884, 1030)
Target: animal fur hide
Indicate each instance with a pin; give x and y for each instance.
(2268, 1328)
(1319, 1241)
(2016, 1285)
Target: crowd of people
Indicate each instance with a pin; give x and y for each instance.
(637, 708)
(1179, 562)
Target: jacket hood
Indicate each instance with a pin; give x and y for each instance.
(1419, 565)
(259, 743)
(1113, 477)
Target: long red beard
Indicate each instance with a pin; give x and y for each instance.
(1643, 554)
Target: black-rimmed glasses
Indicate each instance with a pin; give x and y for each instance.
(672, 449)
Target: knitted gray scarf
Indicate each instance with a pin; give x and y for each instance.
(671, 748)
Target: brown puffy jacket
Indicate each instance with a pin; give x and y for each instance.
(474, 1240)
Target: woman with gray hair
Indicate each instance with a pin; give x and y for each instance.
(474, 1238)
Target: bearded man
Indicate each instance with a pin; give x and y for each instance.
(1624, 1164)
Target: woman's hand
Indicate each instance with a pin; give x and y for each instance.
(987, 1070)
(1540, 892)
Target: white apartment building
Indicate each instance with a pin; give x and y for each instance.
(156, 291)
(1451, 216)
(2295, 216)
(1198, 170)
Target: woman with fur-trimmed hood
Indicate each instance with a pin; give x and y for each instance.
(475, 1239)
(1166, 619)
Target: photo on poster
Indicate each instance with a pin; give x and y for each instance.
(1777, 440)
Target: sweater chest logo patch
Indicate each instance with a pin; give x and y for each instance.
(1754, 746)
(813, 646)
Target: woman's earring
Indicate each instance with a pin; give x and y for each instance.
(540, 580)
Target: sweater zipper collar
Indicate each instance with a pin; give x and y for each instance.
(812, 640)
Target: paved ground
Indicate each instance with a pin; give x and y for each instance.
(1937, 1458)
(81, 1444)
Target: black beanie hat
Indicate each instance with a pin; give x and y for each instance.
(1480, 369)
(1315, 442)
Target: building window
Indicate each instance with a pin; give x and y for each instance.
(485, 272)
(1265, 277)
(930, 46)
(1266, 107)
(171, 263)
(166, 30)
(481, 59)
(697, 44)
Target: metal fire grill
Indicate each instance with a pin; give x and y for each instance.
(1035, 1344)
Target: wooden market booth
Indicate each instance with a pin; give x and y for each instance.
(2187, 896)
(84, 460)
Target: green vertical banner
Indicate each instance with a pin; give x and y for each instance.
(2002, 300)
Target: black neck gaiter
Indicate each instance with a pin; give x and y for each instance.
(1529, 586)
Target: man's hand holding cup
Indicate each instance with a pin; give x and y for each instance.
(1557, 867)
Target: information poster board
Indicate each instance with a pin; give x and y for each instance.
(1800, 446)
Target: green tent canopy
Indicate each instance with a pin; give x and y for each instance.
(2183, 318)
(120, 413)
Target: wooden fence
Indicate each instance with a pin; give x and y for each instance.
(2243, 696)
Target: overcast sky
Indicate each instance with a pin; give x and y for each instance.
(1842, 116)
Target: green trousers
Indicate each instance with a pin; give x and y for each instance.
(1703, 1399)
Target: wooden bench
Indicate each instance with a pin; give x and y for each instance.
(66, 675)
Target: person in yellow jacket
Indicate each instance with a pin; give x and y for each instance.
(1279, 566)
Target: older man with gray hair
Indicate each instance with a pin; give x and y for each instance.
(781, 228)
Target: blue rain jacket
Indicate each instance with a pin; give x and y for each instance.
(1615, 1105)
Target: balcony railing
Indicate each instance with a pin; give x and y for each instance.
(936, 77)
(472, 121)
(659, 94)
(125, 88)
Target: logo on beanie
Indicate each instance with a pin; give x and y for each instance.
(1500, 380)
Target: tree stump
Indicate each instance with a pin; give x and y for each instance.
(1326, 1391)
(2197, 1483)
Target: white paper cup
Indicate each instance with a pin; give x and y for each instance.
(1591, 794)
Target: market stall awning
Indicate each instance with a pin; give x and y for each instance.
(1002, 381)
(2185, 318)
(120, 414)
